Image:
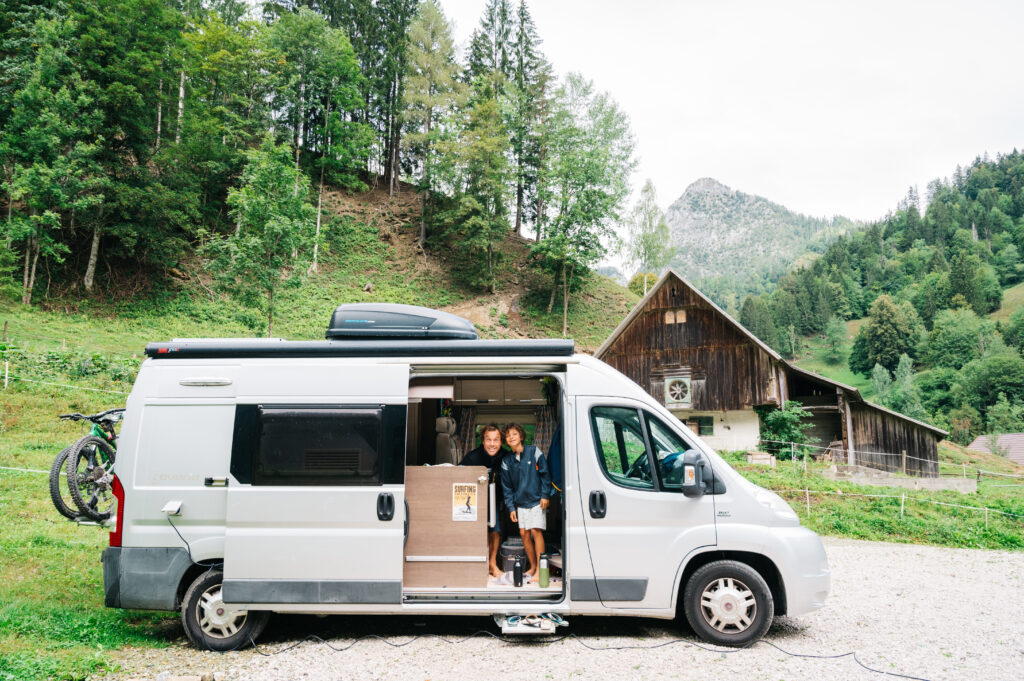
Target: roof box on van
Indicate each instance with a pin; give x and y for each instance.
(392, 320)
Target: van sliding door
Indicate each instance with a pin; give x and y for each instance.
(316, 498)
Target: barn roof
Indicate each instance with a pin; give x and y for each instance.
(638, 308)
(1012, 442)
(852, 392)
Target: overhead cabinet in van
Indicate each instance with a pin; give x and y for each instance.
(258, 476)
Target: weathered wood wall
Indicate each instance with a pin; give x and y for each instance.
(728, 371)
(880, 437)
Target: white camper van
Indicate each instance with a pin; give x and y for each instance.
(259, 476)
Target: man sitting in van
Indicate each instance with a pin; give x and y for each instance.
(489, 454)
(526, 483)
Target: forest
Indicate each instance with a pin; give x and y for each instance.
(924, 282)
(148, 135)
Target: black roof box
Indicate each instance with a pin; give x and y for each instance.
(391, 320)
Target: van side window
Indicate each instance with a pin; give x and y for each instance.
(619, 440)
(668, 452)
(319, 445)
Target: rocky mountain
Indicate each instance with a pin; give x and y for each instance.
(731, 243)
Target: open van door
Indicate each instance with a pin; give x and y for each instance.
(640, 526)
(316, 497)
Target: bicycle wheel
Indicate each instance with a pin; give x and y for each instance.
(90, 481)
(59, 493)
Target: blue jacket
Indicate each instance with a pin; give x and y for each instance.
(526, 481)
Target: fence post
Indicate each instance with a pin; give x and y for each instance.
(979, 475)
(903, 465)
(807, 495)
(964, 464)
(805, 463)
(903, 498)
(6, 367)
(5, 331)
(986, 518)
(792, 453)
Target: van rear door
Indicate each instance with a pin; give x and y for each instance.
(639, 526)
(316, 497)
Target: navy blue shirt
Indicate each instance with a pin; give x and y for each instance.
(526, 481)
(480, 457)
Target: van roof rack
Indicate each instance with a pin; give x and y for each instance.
(392, 320)
(402, 347)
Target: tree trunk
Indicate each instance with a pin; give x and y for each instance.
(94, 251)
(490, 268)
(270, 313)
(313, 268)
(298, 133)
(519, 204)
(423, 221)
(24, 276)
(159, 113)
(645, 282)
(565, 299)
(554, 288)
(181, 106)
(26, 297)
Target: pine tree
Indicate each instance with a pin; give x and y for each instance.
(433, 96)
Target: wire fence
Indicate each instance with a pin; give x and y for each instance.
(8, 378)
(806, 493)
(798, 453)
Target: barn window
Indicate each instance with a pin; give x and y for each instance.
(676, 316)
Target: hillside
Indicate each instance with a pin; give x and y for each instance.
(732, 243)
(370, 255)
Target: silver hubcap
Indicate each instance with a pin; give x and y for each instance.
(728, 605)
(215, 618)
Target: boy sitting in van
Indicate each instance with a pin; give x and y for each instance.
(526, 484)
(489, 454)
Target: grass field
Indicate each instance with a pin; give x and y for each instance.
(812, 358)
(1013, 298)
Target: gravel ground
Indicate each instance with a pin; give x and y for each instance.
(921, 611)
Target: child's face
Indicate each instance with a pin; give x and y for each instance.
(512, 438)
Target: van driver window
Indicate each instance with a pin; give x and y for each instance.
(619, 440)
(668, 450)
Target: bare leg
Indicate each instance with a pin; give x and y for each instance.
(538, 547)
(493, 540)
(531, 555)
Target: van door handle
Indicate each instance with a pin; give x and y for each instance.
(385, 506)
(598, 504)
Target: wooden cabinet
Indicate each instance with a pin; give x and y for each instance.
(442, 552)
(508, 392)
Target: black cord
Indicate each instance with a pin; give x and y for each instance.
(558, 639)
(189, 548)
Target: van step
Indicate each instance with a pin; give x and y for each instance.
(530, 624)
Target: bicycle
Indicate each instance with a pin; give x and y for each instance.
(89, 463)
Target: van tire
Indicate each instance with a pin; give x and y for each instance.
(210, 624)
(728, 603)
(57, 495)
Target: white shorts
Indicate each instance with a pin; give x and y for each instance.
(532, 518)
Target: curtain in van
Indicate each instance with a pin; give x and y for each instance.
(546, 425)
(465, 437)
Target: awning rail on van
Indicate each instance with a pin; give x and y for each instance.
(259, 347)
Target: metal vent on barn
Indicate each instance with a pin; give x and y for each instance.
(677, 392)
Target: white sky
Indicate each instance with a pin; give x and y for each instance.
(825, 107)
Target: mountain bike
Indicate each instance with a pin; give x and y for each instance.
(87, 484)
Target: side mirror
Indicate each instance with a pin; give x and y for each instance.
(693, 474)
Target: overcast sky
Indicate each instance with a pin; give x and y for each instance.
(825, 107)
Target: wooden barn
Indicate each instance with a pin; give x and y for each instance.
(711, 372)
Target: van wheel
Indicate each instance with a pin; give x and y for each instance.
(728, 603)
(210, 624)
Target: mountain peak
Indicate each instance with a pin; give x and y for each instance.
(736, 242)
(707, 185)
